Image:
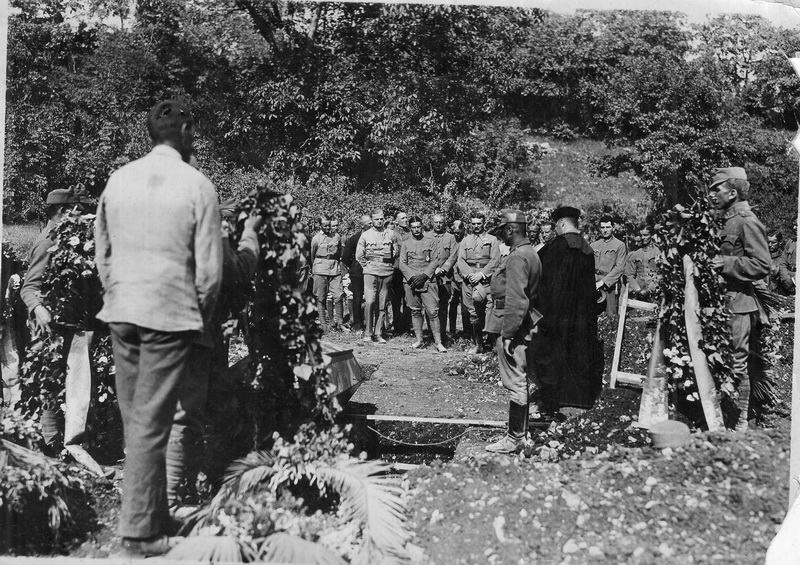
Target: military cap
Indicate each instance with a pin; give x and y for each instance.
(66, 196)
(565, 212)
(229, 208)
(479, 293)
(509, 216)
(727, 173)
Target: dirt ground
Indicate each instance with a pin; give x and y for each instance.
(589, 489)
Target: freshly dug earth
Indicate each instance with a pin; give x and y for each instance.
(590, 488)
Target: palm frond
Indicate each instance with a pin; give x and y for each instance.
(371, 498)
(207, 549)
(286, 548)
(245, 473)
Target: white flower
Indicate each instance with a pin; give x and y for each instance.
(74, 240)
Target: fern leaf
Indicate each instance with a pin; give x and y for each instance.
(286, 548)
(372, 499)
(249, 471)
(208, 549)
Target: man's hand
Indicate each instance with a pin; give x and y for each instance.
(412, 281)
(439, 272)
(475, 278)
(507, 346)
(254, 222)
(599, 284)
(420, 280)
(718, 262)
(42, 319)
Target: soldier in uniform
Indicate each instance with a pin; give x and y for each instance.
(456, 302)
(420, 256)
(448, 249)
(356, 273)
(478, 257)
(743, 260)
(377, 250)
(787, 266)
(512, 320)
(400, 313)
(610, 255)
(641, 269)
(326, 269)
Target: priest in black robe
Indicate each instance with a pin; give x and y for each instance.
(568, 357)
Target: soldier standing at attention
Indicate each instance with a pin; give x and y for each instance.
(787, 266)
(610, 255)
(400, 313)
(448, 249)
(743, 260)
(512, 320)
(420, 257)
(478, 257)
(456, 303)
(326, 270)
(356, 272)
(377, 250)
(641, 269)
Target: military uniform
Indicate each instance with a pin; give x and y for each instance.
(377, 252)
(787, 266)
(609, 260)
(641, 270)
(477, 254)
(512, 317)
(746, 260)
(448, 251)
(421, 256)
(400, 310)
(326, 270)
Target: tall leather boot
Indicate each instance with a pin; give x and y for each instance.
(514, 439)
(436, 330)
(417, 322)
(338, 308)
(323, 317)
(476, 339)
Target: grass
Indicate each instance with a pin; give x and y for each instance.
(566, 179)
(21, 237)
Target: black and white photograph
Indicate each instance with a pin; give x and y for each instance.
(423, 283)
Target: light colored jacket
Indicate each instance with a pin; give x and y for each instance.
(159, 244)
(377, 252)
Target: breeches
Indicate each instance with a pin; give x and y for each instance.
(477, 310)
(428, 299)
(514, 370)
(324, 284)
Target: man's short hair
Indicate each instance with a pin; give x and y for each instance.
(548, 223)
(570, 220)
(605, 219)
(166, 120)
(742, 187)
(478, 215)
(323, 219)
(376, 211)
(414, 219)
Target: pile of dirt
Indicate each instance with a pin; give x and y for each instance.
(721, 498)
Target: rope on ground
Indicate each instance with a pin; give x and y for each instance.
(398, 442)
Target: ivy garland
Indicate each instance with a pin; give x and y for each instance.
(694, 231)
(284, 337)
(72, 292)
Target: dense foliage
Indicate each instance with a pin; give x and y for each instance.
(358, 100)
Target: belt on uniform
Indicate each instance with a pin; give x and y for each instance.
(479, 264)
(322, 256)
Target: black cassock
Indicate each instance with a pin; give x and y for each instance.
(567, 356)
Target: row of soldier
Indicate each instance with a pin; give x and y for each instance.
(395, 268)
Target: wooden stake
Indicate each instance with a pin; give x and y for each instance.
(694, 332)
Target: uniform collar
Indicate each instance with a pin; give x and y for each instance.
(741, 206)
(520, 243)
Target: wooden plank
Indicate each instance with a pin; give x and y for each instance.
(630, 378)
(640, 305)
(623, 309)
(423, 420)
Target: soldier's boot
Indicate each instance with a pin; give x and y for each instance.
(514, 440)
(323, 319)
(417, 322)
(436, 330)
(743, 403)
(475, 335)
(339, 314)
(329, 310)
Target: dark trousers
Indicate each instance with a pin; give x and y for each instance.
(150, 367)
(357, 288)
(401, 313)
